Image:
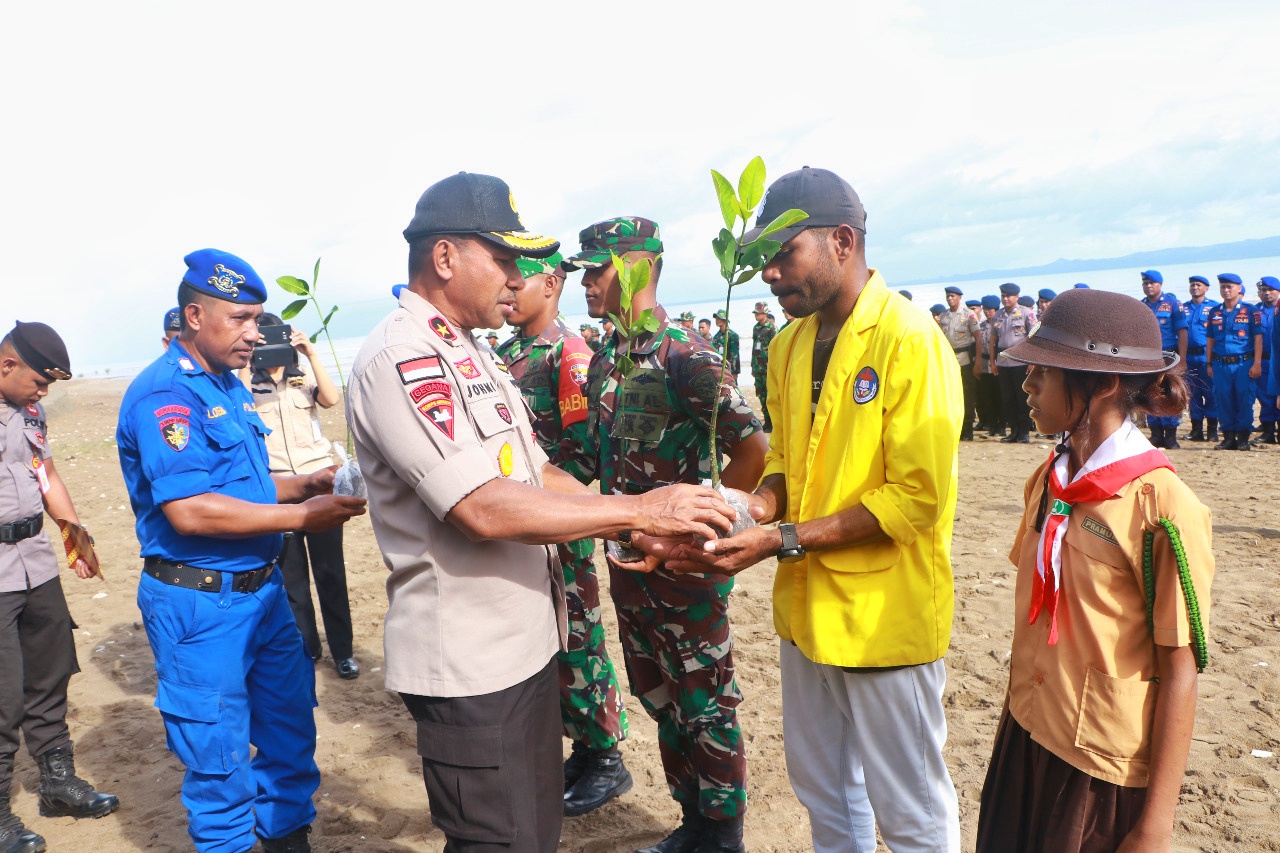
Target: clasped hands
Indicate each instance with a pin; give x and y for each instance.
(682, 530)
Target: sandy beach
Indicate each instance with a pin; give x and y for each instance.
(372, 798)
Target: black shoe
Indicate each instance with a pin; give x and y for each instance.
(685, 839)
(1242, 440)
(966, 436)
(603, 778)
(1228, 441)
(576, 764)
(1157, 435)
(14, 837)
(1171, 439)
(1197, 430)
(294, 842)
(1212, 435)
(722, 836)
(348, 668)
(1022, 438)
(63, 793)
(768, 425)
(1010, 438)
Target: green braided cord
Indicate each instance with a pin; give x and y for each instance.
(1198, 643)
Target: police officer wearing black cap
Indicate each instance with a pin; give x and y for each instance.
(962, 333)
(1011, 325)
(233, 671)
(37, 653)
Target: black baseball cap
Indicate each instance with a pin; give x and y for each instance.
(482, 205)
(824, 195)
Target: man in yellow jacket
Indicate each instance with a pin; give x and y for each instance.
(867, 408)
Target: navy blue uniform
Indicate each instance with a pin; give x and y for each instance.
(1268, 413)
(1169, 314)
(1233, 332)
(231, 665)
(1201, 385)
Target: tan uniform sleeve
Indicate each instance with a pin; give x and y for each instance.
(420, 428)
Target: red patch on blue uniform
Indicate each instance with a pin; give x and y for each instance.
(865, 385)
(441, 327)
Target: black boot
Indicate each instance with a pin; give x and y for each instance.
(294, 842)
(686, 838)
(722, 836)
(1157, 435)
(1242, 440)
(14, 837)
(575, 764)
(1228, 441)
(604, 777)
(768, 424)
(1269, 433)
(1213, 430)
(63, 793)
(1171, 438)
(1197, 430)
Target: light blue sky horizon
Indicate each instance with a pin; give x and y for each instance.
(979, 136)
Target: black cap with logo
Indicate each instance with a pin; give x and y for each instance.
(824, 195)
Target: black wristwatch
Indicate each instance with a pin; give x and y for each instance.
(791, 551)
(624, 538)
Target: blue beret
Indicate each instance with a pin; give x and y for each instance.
(1080, 285)
(973, 303)
(1026, 301)
(173, 320)
(1046, 293)
(224, 276)
(1153, 275)
(992, 302)
(1230, 277)
(906, 294)
(938, 309)
(396, 288)
(1269, 281)
(951, 288)
(1010, 289)
(1200, 279)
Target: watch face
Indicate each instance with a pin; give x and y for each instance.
(790, 555)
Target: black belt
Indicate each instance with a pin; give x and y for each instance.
(1195, 350)
(205, 580)
(1231, 359)
(16, 531)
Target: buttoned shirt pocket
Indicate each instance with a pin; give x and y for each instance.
(229, 459)
(1114, 715)
(496, 424)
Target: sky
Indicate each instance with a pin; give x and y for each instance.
(979, 136)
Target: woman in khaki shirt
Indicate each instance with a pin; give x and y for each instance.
(286, 399)
(1111, 605)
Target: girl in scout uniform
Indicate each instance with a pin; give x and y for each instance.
(1112, 599)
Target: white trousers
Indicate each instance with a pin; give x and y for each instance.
(866, 747)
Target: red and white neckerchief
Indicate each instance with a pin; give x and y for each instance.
(1123, 457)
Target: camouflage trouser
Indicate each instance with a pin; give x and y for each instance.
(590, 700)
(762, 391)
(680, 665)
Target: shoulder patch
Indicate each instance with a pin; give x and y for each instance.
(33, 410)
(418, 393)
(467, 368)
(443, 330)
(417, 369)
(438, 410)
(1097, 528)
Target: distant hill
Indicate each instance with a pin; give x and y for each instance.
(1264, 247)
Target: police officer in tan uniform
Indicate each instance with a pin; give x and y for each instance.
(37, 653)
(464, 505)
(962, 333)
(1010, 326)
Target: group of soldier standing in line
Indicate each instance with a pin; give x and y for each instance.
(1226, 347)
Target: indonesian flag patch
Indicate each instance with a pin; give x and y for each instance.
(418, 369)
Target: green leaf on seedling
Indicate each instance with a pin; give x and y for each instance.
(744, 276)
(291, 310)
(751, 184)
(625, 365)
(316, 336)
(617, 324)
(329, 316)
(315, 274)
(296, 286)
(784, 220)
(729, 206)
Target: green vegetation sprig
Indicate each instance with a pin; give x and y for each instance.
(300, 287)
(632, 278)
(740, 262)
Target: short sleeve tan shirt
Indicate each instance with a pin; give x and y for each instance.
(434, 418)
(24, 447)
(1090, 699)
(288, 407)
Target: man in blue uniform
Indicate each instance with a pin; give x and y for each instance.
(231, 664)
(1265, 311)
(1173, 338)
(1196, 312)
(172, 325)
(1234, 351)
(1043, 298)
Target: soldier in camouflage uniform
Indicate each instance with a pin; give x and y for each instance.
(591, 335)
(649, 429)
(762, 334)
(549, 364)
(686, 321)
(717, 341)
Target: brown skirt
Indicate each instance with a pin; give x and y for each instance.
(1034, 802)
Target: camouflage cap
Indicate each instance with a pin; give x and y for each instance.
(615, 236)
(586, 327)
(720, 315)
(687, 315)
(536, 266)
